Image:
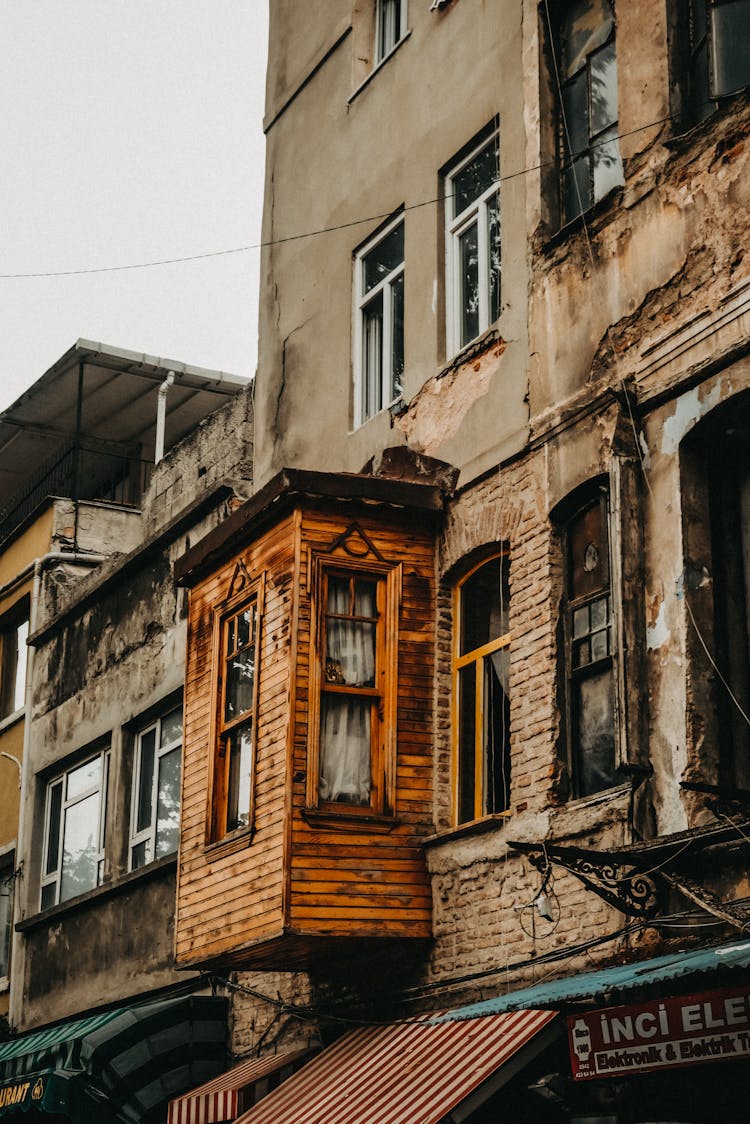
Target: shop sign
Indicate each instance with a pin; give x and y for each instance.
(22, 1093)
(685, 1030)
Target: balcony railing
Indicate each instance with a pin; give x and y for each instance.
(91, 470)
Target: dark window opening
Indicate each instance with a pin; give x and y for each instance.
(589, 650)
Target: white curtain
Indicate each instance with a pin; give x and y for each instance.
(345, 720)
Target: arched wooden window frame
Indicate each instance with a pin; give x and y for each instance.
(475, 656)
(354, 555)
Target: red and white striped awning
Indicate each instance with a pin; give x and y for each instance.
(408, 1073)
(220, 1100)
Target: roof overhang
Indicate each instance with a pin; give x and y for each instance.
(293, 486)
(117, 405)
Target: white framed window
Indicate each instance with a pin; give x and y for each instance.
(73, 856)
(379, 322)
(472, 206)
(155, 809)
(390, 26)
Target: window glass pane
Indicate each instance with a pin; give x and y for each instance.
(168, 806)
(146, 781)
(467, 691)
(384, 258)
(350, 653)
(53, 836)
(581, 653)
(603, 89)
(244, 625)
(599, 612)
(80, 847)
(593, 701)
(345, 738)
(479, 175)
(365, 594)
(586, 25)
(171, 727)
(468, 251)
(485, 600)
(13, 668)
(397, 334)
(576, 132)
(581, 621)
(338, 594)
(141, 854)
(600, 645)
(84, 778)
(48, 895)
(372, 374)
(496, 717)
(588, 556)
(240, 671)
(390, 30)
(493, 241)
(730, 34)
(240, 750)
(607, 165)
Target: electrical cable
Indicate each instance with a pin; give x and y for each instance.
(158, 262)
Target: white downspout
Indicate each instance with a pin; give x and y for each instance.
(161, 415)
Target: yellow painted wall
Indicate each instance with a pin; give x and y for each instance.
(34, 542)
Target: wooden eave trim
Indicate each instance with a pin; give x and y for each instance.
(135, 560)
(294, 486)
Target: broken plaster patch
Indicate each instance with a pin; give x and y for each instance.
(657, 633)
(437, 410)
(689, 409)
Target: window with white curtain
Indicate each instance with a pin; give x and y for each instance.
(391, 26)
(351, 687)
(379, 322)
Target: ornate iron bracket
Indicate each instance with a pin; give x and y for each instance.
(623, 884)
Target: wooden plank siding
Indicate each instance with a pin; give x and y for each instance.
(308, 877)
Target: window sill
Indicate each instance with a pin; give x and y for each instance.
(11, 719)
(602, 797)
(464, 830)
(109, 889)
(348, 820)
(376, 69)
(482, 343)
(230, 844)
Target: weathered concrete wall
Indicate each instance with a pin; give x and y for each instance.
(110, 657)
(220, 448)
(359, 165)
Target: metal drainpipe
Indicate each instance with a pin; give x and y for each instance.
(161, 414)
(78, 559)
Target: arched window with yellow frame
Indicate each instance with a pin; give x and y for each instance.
(481, 673)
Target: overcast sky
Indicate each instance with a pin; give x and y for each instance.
(130, 132)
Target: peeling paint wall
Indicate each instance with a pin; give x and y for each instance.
(110, 658)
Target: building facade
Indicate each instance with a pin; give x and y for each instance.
(104, 1026)
(504, 265)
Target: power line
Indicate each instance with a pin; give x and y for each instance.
(158, 262)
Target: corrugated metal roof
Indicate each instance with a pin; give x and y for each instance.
(408, 1073)
(218, 1100)
(618, 978)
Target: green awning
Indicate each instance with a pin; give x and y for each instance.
(122, 1065)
